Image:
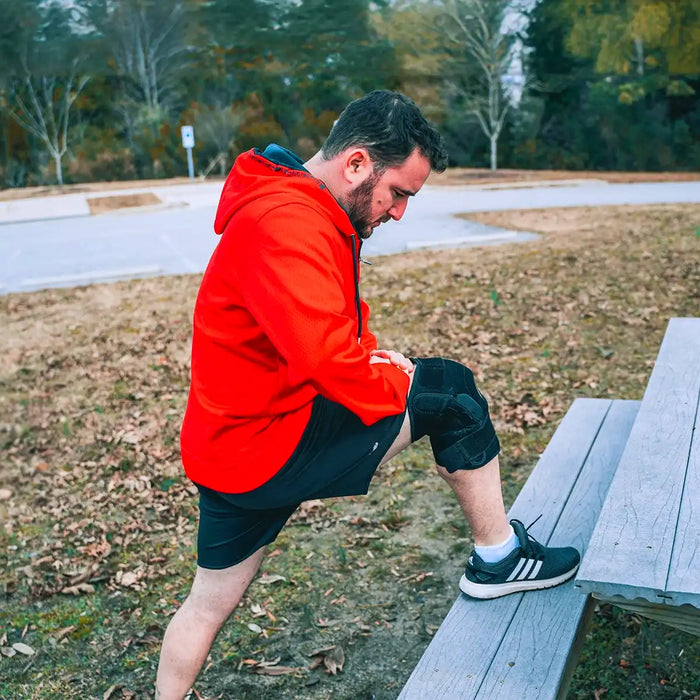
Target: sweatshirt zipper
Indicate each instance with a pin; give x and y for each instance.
(356, 272)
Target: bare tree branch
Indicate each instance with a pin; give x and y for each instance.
(475, 26)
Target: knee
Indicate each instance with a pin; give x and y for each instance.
(208, 612)
(444, 397)
(446, 404)
(210, 601)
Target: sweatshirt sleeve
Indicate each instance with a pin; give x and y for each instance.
(288, 269)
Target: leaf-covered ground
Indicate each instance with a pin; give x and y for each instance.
(98, 521)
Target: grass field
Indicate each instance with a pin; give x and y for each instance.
(97, 541)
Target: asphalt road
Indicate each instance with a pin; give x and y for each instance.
(54, 247)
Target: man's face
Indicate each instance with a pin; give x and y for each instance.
(384, 195)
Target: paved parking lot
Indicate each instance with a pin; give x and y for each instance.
(55, 242)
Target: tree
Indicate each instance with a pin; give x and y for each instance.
(631, 37)
(218, 124)
(618, 84)
(652, 42)
(46, 77)
(411, 28)
(300, 61)
(477, 29)
(145, 42)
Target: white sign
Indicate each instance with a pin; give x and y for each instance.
(187, 136)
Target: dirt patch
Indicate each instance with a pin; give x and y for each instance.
(554, 221)
(99, 524)
(101, 205)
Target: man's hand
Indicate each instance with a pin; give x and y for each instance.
(392, 358)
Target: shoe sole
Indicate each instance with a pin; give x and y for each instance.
(486, 591)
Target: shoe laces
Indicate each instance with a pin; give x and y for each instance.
(530, 546)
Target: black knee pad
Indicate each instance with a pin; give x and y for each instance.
(445, 404)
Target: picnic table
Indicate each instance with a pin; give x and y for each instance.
(621, 481)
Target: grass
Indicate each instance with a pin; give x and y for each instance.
(97, 548)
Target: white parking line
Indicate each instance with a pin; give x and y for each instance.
(191, 266)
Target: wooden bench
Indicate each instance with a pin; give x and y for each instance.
(526, 645)
(644, 555)
(642, 520)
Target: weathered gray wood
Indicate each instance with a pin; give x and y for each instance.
(683, 583)
(460, 654)
(632, 545)
(682, 617)
(538, 651)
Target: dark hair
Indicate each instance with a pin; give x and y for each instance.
(390, 126)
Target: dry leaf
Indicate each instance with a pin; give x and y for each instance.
(323, 622)
(266, 580)
(80, 588)
(7, 651)
(254, 628)
(275, 670)
(5, 494)
(332, 657)
(58, 636)
(272, 662)
(128, 578)
(86, 574)
(322, 651)
(334, 660)
(108, 693)
(23, 648)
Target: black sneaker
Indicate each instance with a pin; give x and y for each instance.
(529, 567)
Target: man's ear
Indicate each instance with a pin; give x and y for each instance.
(357, 165)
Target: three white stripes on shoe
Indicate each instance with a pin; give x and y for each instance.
(525, 569)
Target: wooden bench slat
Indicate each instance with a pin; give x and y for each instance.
(684, 578)
(446, 670)
(540, 648)
(630, 550)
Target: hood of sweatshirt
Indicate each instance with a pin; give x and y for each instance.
(270, 178)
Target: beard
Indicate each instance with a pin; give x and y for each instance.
(358, 206)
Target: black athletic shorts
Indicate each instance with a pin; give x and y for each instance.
(337, 456)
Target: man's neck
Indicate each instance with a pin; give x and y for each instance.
(325, 171)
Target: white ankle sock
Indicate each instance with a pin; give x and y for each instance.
(495, 552)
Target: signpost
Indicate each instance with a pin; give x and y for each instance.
(188, 142)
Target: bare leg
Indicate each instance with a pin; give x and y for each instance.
(479, 493)
(190, 634)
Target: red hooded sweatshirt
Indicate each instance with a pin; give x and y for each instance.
(278, 320)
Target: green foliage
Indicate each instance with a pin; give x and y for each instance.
(612, 85)
(609, 97)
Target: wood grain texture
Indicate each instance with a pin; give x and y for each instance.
(632, 546)
(460, 655)
(683, 583)
(536, 649)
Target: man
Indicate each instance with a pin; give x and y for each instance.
(292, 400)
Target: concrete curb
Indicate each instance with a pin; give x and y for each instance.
(33, 209)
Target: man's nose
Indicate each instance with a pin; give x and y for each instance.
(398, 209)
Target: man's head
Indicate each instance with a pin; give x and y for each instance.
(379, 152)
